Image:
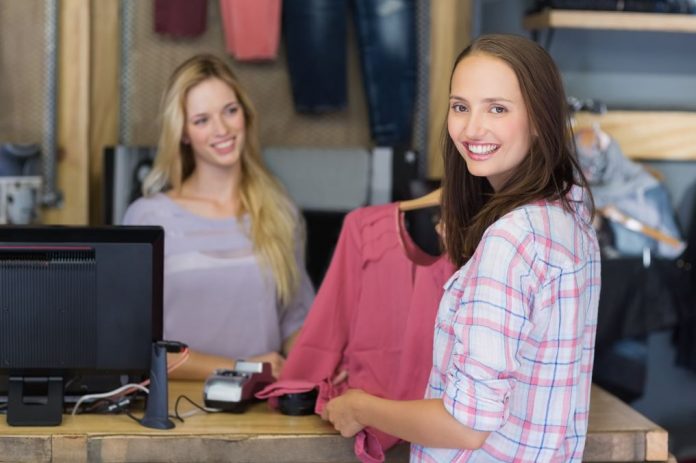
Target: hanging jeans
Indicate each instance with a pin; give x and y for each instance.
(316, 43)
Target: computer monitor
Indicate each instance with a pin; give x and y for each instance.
(74, 302)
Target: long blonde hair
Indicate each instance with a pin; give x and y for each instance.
(276, 226)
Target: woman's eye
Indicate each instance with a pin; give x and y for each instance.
(458, 108)
(497, 110)
(232, 109)
(200, 121)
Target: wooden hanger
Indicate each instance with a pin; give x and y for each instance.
(429, 200)
(612, 213)
(659, 176)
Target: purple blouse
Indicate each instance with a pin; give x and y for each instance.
(217, 298)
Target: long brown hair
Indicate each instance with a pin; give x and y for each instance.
(548, 172)
(276, 226)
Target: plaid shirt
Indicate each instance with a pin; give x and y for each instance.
(514, 338)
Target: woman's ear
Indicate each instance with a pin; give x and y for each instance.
(185, 139)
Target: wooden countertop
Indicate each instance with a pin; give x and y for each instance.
(616, 433)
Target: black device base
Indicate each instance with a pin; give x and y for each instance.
(298, 404)
(229, 407)
(35, 401)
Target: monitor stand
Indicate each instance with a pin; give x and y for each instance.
(35, 401)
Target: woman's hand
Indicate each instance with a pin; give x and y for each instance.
(274, 358)
(342, 412)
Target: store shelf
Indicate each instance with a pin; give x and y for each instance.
(648, 135)
(610, 20)
(642, 135)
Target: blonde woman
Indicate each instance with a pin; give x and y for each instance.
(235, 286)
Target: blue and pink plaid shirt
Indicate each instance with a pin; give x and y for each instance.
(514, 338)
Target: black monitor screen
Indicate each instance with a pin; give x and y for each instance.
(78, 301)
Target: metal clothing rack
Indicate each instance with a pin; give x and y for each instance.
(51, 196)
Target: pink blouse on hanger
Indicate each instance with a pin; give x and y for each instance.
(374, 317)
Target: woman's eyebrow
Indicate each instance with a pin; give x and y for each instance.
(485, 100)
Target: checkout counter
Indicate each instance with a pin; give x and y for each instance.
(261, 435)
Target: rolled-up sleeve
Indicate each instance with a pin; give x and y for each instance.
(492, 299)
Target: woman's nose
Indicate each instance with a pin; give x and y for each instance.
(475, 127)
(220, 126)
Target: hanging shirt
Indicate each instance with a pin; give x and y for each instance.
(217, 297)
(373, 317)
(251, 28)
(626, 185)
(514, 338)
(180, 18)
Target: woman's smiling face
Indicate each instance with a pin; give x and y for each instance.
(215, 124)
(487, 118)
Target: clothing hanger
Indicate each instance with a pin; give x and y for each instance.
(594, 135)
(421, 224)
(612, 213)
(589, 137)
(659, 176)
(429, 200)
